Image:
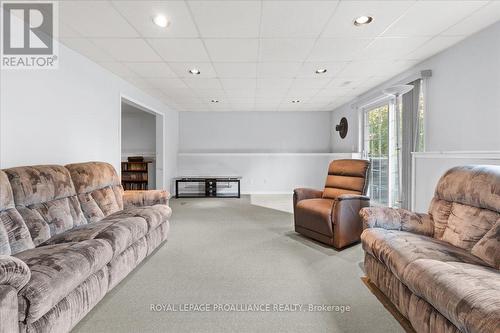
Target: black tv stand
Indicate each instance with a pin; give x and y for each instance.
(207, 187)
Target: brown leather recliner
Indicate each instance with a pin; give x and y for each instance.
(331, 216)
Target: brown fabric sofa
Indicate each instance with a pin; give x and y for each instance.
(66, 240)
(331, 216)
(441, 269)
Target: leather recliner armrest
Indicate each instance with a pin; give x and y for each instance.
(397, 219)
(145, 198)
(300, 194)
(347, 223)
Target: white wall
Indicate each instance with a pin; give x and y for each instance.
(237, 132)
(274, 152)
(463, 97)
(71, 114)
(431, 166)
(263, 173)
(138, 131)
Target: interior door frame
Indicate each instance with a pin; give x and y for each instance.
(160, 136)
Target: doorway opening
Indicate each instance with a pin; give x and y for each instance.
(141, 147)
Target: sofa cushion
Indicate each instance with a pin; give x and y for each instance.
(488, 247)
(397, 249)
(120, 231)
(467, 225)
(154, 215)
(98, 187)
(46, 199)
(315, 215)
(56, 270)
(14, 234)
(467, 294)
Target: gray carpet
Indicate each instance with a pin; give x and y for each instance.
(228, 251)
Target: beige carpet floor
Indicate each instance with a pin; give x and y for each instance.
(229, 251)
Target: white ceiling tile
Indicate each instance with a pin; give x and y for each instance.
(182, 50)
(182, 69)
(285, 49)
(295, 19)
(433, 47)
(337, 49)
(241, 100)
(139, 83)
(270, 95)
(429, 18)
(87, 48)
(301, 94)
(278, 69)
(333, 91)
(366, 68)
(384, 13)
(238, 84)
(241, 93)
(198, 83)
(308, 69)
(209, 94)
(391, 48)
(236, 70)
(480, 19)
(238, 19)
(310, 83)
(127, 49)
(118, 68)
(151, 69)
(233, 50)
(246, 71)
(274, 84)
(141, 13)
(167, 84)
(243, 107)
(94, 19)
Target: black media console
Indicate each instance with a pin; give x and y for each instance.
(200, 187)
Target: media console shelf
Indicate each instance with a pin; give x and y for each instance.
(201, 187)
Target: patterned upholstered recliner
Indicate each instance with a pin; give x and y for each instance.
(441, 269)
(66, 240)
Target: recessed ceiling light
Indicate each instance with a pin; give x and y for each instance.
(321, 70)
(215, 101)
(362, 20)
(160, 20)
(194, 71)
(296, 101)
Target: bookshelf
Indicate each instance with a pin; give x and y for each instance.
(135, 175)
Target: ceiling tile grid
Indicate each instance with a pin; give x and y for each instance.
(262, 55)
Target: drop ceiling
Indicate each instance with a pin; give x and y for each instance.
(261, 55)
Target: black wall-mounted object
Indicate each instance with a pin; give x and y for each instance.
(342, 127)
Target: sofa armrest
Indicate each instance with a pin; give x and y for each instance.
(300, 194)
(397, 219)
(145, 198)
(347, 223)
(14, 274)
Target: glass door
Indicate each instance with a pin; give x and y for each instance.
(380, 147)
